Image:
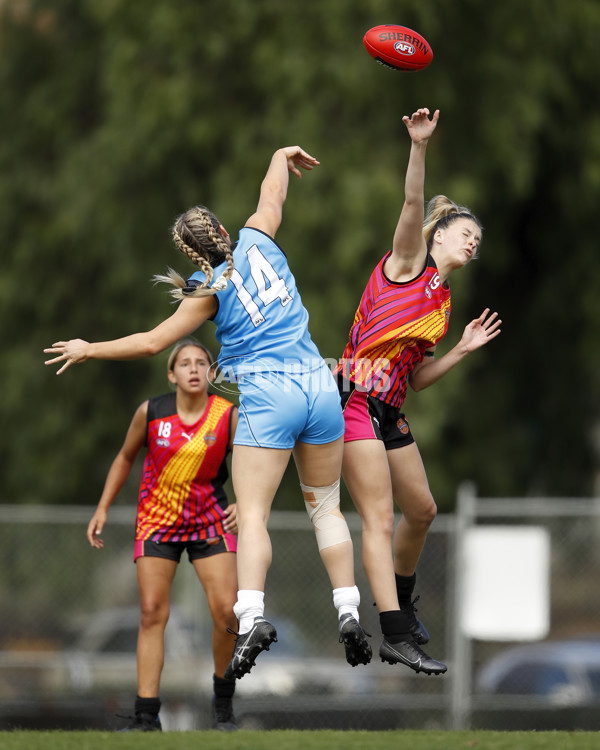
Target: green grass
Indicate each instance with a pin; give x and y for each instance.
(299, 740)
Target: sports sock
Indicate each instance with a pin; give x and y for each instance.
(346, 601)
(223, 688)
(405, 585)
(147, 706)
(395, 626)
(250, 604)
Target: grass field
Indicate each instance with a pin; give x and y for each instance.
(299, 740)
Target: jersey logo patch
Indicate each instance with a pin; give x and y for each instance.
(210, 438)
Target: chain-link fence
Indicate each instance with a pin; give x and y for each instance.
(69, 617)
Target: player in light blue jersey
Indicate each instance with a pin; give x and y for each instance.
(289, 402)
(261, 322)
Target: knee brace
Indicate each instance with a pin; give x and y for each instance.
(322, 506)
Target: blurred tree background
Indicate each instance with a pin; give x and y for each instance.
(116, 115)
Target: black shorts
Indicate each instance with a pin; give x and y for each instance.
(369, 418)
(196, 550)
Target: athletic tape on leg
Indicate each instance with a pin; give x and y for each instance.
(322, 505)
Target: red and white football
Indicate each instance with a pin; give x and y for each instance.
(398, 47)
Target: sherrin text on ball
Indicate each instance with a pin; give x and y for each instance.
(398, 47)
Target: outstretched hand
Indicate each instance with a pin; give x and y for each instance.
(481, 330)
(70, 352)
(419, 126)
(297, 157)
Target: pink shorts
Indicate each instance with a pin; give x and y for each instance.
(369, 418)
(359, 422)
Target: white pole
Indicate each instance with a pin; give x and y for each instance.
(461, 651)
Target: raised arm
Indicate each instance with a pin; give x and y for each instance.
(273, 190)
(190, 314)
(409, 245)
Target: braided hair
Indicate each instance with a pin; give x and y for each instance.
(197, 234)
(441, 212)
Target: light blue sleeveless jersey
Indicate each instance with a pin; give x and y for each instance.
(261, 322)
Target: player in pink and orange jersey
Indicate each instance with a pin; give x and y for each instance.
(182, 506)
(402, 315)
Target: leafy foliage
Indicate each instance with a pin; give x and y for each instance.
(116, 116)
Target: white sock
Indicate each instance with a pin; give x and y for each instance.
(250, 604)
(346, 601)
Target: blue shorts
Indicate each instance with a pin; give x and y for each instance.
(278, 409)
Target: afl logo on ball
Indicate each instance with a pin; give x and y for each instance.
(210, 438)
(402, 425)
(404, 48)
(428, 292)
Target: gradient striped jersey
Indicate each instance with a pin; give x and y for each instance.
(181, 494)
(393, 326)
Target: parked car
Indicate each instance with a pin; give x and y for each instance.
(103, 654)
(103, 658)
(561, 673)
